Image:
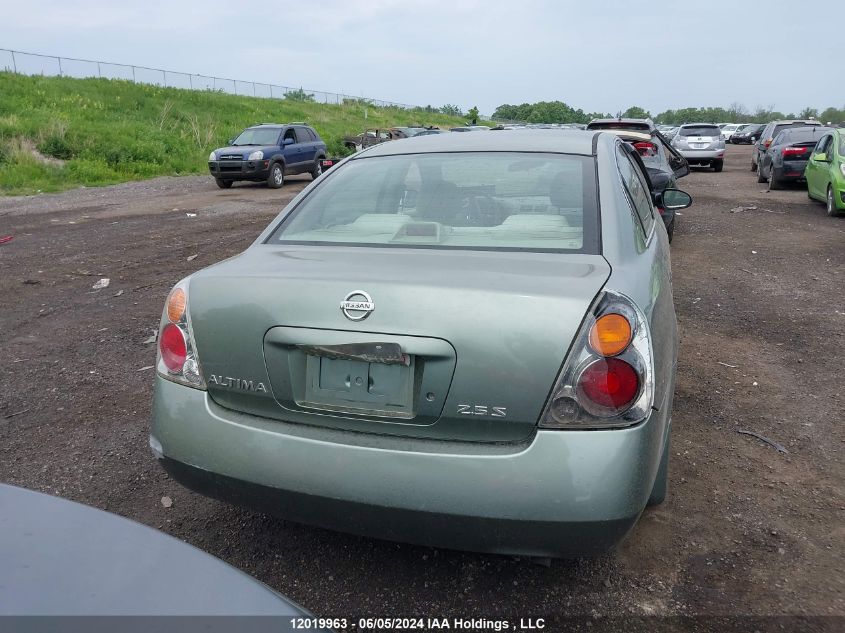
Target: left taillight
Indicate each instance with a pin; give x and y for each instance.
(177, 358)
(607, 380)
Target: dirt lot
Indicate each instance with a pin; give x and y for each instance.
(760, 295)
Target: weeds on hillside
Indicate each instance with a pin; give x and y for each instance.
(101, 131)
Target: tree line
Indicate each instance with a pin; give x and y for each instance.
(560, 112)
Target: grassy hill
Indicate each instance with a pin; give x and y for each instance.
(58, 132)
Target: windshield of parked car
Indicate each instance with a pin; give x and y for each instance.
(700, 130)
(842, 145)
(258, 136)
(477, 200)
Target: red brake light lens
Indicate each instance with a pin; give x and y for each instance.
(174, 350)
(610, 383)
(795, 151)
(645, 148)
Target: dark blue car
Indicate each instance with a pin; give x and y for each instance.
(268, 152)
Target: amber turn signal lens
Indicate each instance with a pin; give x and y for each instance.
(176, 305)
(610, 334)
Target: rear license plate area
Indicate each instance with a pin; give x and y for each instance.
(358, 387)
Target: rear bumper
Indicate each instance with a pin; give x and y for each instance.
(791, 170)
(239, 169)
(694, 155)
(562, 493)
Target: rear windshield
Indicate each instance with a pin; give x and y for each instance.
(478, 200)
(782, 126)
(801, 135)
(258, 136)
(700, 130)
(619, 125)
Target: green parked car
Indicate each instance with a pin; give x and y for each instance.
(825, 172)
(459, 340)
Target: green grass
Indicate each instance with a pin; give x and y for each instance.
(104, 131)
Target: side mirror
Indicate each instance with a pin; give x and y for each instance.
(673, 199)
(821, 157)
(287, 141)
(231, 140)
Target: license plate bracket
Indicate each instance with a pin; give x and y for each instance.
(359, 387)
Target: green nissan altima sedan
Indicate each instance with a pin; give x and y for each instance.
(462, 340)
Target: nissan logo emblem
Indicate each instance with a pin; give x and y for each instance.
(357, 305)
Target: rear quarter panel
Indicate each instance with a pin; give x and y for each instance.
(641, 269)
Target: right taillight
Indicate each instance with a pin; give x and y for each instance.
(607, 380)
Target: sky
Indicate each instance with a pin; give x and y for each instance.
(600, 56)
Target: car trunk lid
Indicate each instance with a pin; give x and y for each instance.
(461, 345)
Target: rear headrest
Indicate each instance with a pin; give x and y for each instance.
(565, 191)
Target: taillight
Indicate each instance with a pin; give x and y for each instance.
(610, 334)
(172, 347)
(645, 148)
(767, 142)
(794, 151)
(607, 379)
(609, 384)
(177, 356)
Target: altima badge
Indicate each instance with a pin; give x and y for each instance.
(357, 305)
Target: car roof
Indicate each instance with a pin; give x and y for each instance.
(276, 125)
(790, 121)
(557, 141)
(697, 124)
(622, 120)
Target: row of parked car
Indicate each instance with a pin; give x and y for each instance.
(799, 150)
(271, 151)
(736, 133)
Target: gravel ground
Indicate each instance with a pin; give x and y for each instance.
(746, 529)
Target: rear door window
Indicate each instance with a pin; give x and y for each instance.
(824, 144)
(637, 189)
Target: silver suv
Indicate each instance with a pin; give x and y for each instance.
(701, 144)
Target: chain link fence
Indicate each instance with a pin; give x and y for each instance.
(36, 64)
